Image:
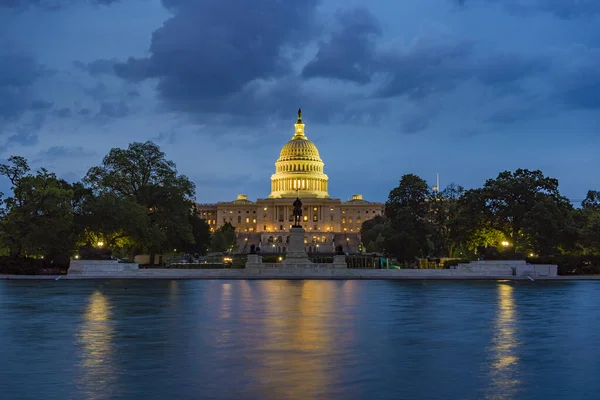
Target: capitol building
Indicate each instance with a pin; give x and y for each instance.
(299, 172)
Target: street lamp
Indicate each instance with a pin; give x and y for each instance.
(100, 244)
(505, 243)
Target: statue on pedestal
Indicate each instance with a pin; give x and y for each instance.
(297, 212)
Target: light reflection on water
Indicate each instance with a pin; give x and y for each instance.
(504, 375)
(299, 340)
(96, 338)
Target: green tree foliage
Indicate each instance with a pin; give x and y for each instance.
(526, 207)
(224, 239)
(448, 225)
(142, 176)
(201, 234)
(377, 234)
(38, 219)
(587, 219)
(407, 209)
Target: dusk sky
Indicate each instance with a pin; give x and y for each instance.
(466, 88)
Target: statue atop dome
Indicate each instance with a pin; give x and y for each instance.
(299, 116)
(297, 212)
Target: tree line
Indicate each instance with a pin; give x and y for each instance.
(518, 214)
(134, 202)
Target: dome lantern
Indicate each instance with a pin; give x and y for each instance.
(299, 169)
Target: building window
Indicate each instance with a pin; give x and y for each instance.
(305, 218)
(224, 219)
(350, 220)
(315, 227)
(358, 220)
(239, 219)
(265, 228)
(315, 239)
(343, 220)
(253, 220)
(331, 217)
(265, 217)
(324, 239)
(247, 220)
(315, 218)
(280, 227)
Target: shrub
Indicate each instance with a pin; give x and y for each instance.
(571, 264)
(21, 265)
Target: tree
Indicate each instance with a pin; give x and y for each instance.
(224, 239)
(141, 175)
(407, 209)
(516, 203)
(445, 210)
(201, 234)
(587, 220)
(375, 234)
(592, 201)
(38, 218)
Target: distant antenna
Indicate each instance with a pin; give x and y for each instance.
(436, 188)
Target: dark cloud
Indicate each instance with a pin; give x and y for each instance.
(18, 73)
(169, 137)
(99, 92)
(564, 9)
(580, 87)
(64, 112)
(439, 63)
(209, 52)
(350, 52)
(430, 65)
(49, 5)
(22, 112)
(113, 109)
(57, 152)
(97, 67)
(505, 68)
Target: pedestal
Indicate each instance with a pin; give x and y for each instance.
(296, 253)
(339, 261)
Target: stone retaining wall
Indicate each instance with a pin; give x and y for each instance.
(96, 267)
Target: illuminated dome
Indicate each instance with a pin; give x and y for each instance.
(299, 169)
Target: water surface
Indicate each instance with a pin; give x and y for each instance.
(299, 340)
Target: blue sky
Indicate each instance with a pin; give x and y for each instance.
(466, 88)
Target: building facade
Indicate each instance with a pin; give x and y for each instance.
(299, 172)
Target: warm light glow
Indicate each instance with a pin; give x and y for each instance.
(77, 256)
(531, 254)
(246, 239)
(96, 339)
(505, 243)
(280, 258)
(504, 371)
(100, 244)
